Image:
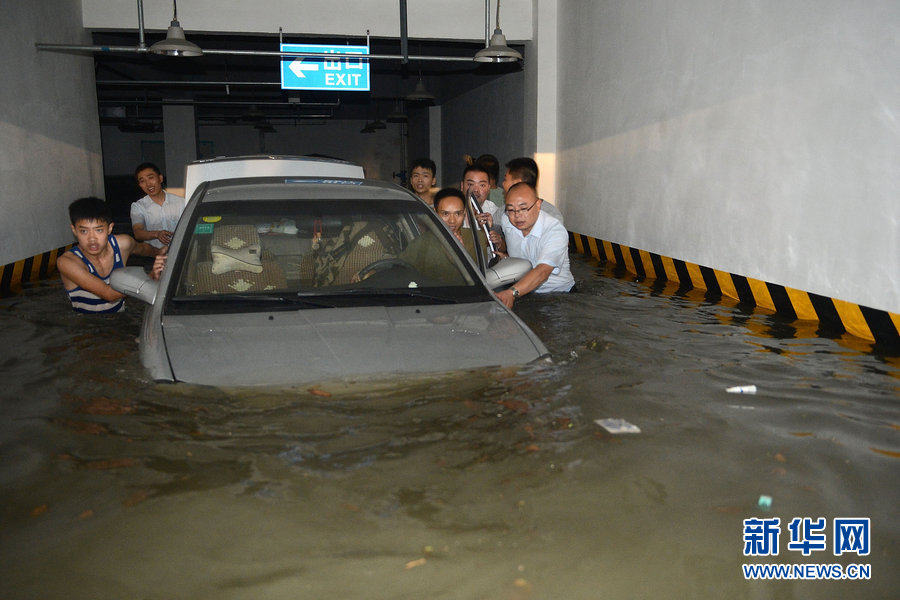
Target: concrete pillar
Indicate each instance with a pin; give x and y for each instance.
(180, 137)
(434, 138)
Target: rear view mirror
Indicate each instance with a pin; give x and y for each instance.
(134, 282)
(506, 272)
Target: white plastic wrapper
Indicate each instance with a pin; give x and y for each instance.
(617, 426)
(741, 389)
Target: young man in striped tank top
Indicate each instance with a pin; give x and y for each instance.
(85, 269)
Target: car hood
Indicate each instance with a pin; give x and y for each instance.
(302, 346)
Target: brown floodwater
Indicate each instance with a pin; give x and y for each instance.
(488, 484)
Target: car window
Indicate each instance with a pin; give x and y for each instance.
(319, 248)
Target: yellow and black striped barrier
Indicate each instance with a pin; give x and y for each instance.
(867, 323)
(14, 276)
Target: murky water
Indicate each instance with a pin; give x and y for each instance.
(477, 485)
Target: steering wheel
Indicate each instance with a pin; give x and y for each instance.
(383, 265)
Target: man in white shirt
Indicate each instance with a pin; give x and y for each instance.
(526, 169)
(154, 217)
(476, 182)
(535, 235)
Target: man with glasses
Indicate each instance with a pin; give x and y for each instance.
(535, 235)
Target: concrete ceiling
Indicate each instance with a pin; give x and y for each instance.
(245, 89)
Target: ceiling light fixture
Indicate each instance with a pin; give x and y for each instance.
(420, 94)
(398, 116)
(175, 44)
(497, 51)
(253, 114)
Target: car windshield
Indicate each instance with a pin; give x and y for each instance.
(318, 253)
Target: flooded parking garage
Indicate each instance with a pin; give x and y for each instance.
(484, 484)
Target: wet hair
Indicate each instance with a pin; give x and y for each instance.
(490, 164)
(146, 165)
(448, 192)
(523, 169)
(476, 168)
(90, 209)
(425, 163)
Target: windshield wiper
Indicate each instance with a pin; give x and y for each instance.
(395, 293)
(299, 299)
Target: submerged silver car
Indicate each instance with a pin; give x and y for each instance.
(284, 280)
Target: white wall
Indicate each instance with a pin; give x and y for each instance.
(541, 96)
(49, 132)
(758, 138)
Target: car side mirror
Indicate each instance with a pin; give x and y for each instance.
(506, 272)
(134, 282)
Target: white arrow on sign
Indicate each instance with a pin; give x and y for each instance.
(297, 67)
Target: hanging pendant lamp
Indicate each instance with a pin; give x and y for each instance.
(420, 94)
(397, 116)
(497, 51)
(175, 44)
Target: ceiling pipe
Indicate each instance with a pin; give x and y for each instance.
(188, 102)
(142, 45)
(135, 49)
(319, 55)
(225, 119)
(404, 35)
(142, 48)
(487, 23)
(142, 82)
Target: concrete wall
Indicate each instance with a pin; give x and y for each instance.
(542, 96)
(49, 132)
(486, 120)
(378, 153)
(760, 138)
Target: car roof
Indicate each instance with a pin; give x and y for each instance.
(251, 189)
(221, 168)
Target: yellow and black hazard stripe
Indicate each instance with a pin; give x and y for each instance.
(870, 324)
(14, 276)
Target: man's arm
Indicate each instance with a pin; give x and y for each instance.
(531, 281)
(499, 242)
(139, 227)
(74, 273)
(128, 246)
(142, 234)
(158, 265)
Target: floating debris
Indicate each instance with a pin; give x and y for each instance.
(617, 426)
(741, 389)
